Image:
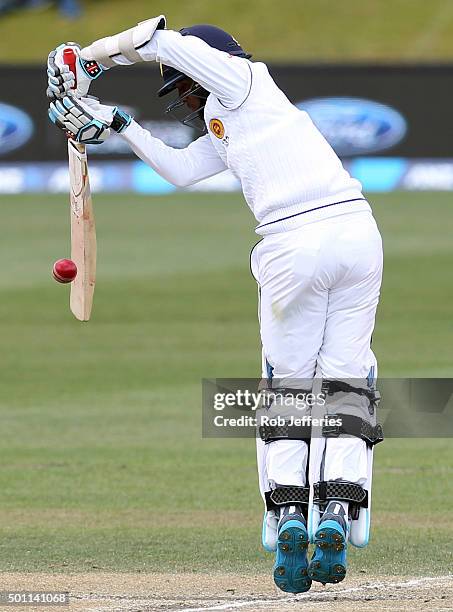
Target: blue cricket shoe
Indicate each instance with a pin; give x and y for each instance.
(291, 565)
(328, 563)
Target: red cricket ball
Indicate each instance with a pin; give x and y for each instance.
(64, 271)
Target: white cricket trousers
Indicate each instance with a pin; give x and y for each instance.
(319, 289)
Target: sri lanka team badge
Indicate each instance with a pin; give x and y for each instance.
(217, 128)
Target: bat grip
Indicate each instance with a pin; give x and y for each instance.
(70, 59)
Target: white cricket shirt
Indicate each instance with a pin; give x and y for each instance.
(289, 173)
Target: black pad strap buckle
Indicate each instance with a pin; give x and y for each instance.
(355, 426)
(286, 496)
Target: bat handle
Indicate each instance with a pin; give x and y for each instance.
(70, 59)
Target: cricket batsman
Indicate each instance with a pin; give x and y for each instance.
(318, 268)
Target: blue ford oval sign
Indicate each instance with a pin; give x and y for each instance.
(16, 127)
(355, 126)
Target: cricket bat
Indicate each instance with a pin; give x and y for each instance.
(83, 230)
(83, 233)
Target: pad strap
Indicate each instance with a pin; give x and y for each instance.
(350, 425)
(326, 491)
(269, 433)
(340, 386)
(286, 496)
(355, 426)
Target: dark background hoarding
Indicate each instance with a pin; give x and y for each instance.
(422, 94)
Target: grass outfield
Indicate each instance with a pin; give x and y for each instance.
(102, 464)
(311, 30)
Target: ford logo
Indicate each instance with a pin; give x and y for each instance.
(16, 127)
(354, 126)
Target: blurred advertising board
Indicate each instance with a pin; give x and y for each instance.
(391, 125)
(376, 174)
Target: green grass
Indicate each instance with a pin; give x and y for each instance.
(101, 451)
(382, 30)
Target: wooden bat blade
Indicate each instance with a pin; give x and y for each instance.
(83, 233)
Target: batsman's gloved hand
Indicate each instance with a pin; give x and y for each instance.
(87, 120)
(61, 80)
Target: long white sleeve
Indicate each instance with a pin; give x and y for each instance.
(227, 77)
(181, 167)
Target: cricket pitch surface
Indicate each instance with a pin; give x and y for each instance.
(192, 592)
